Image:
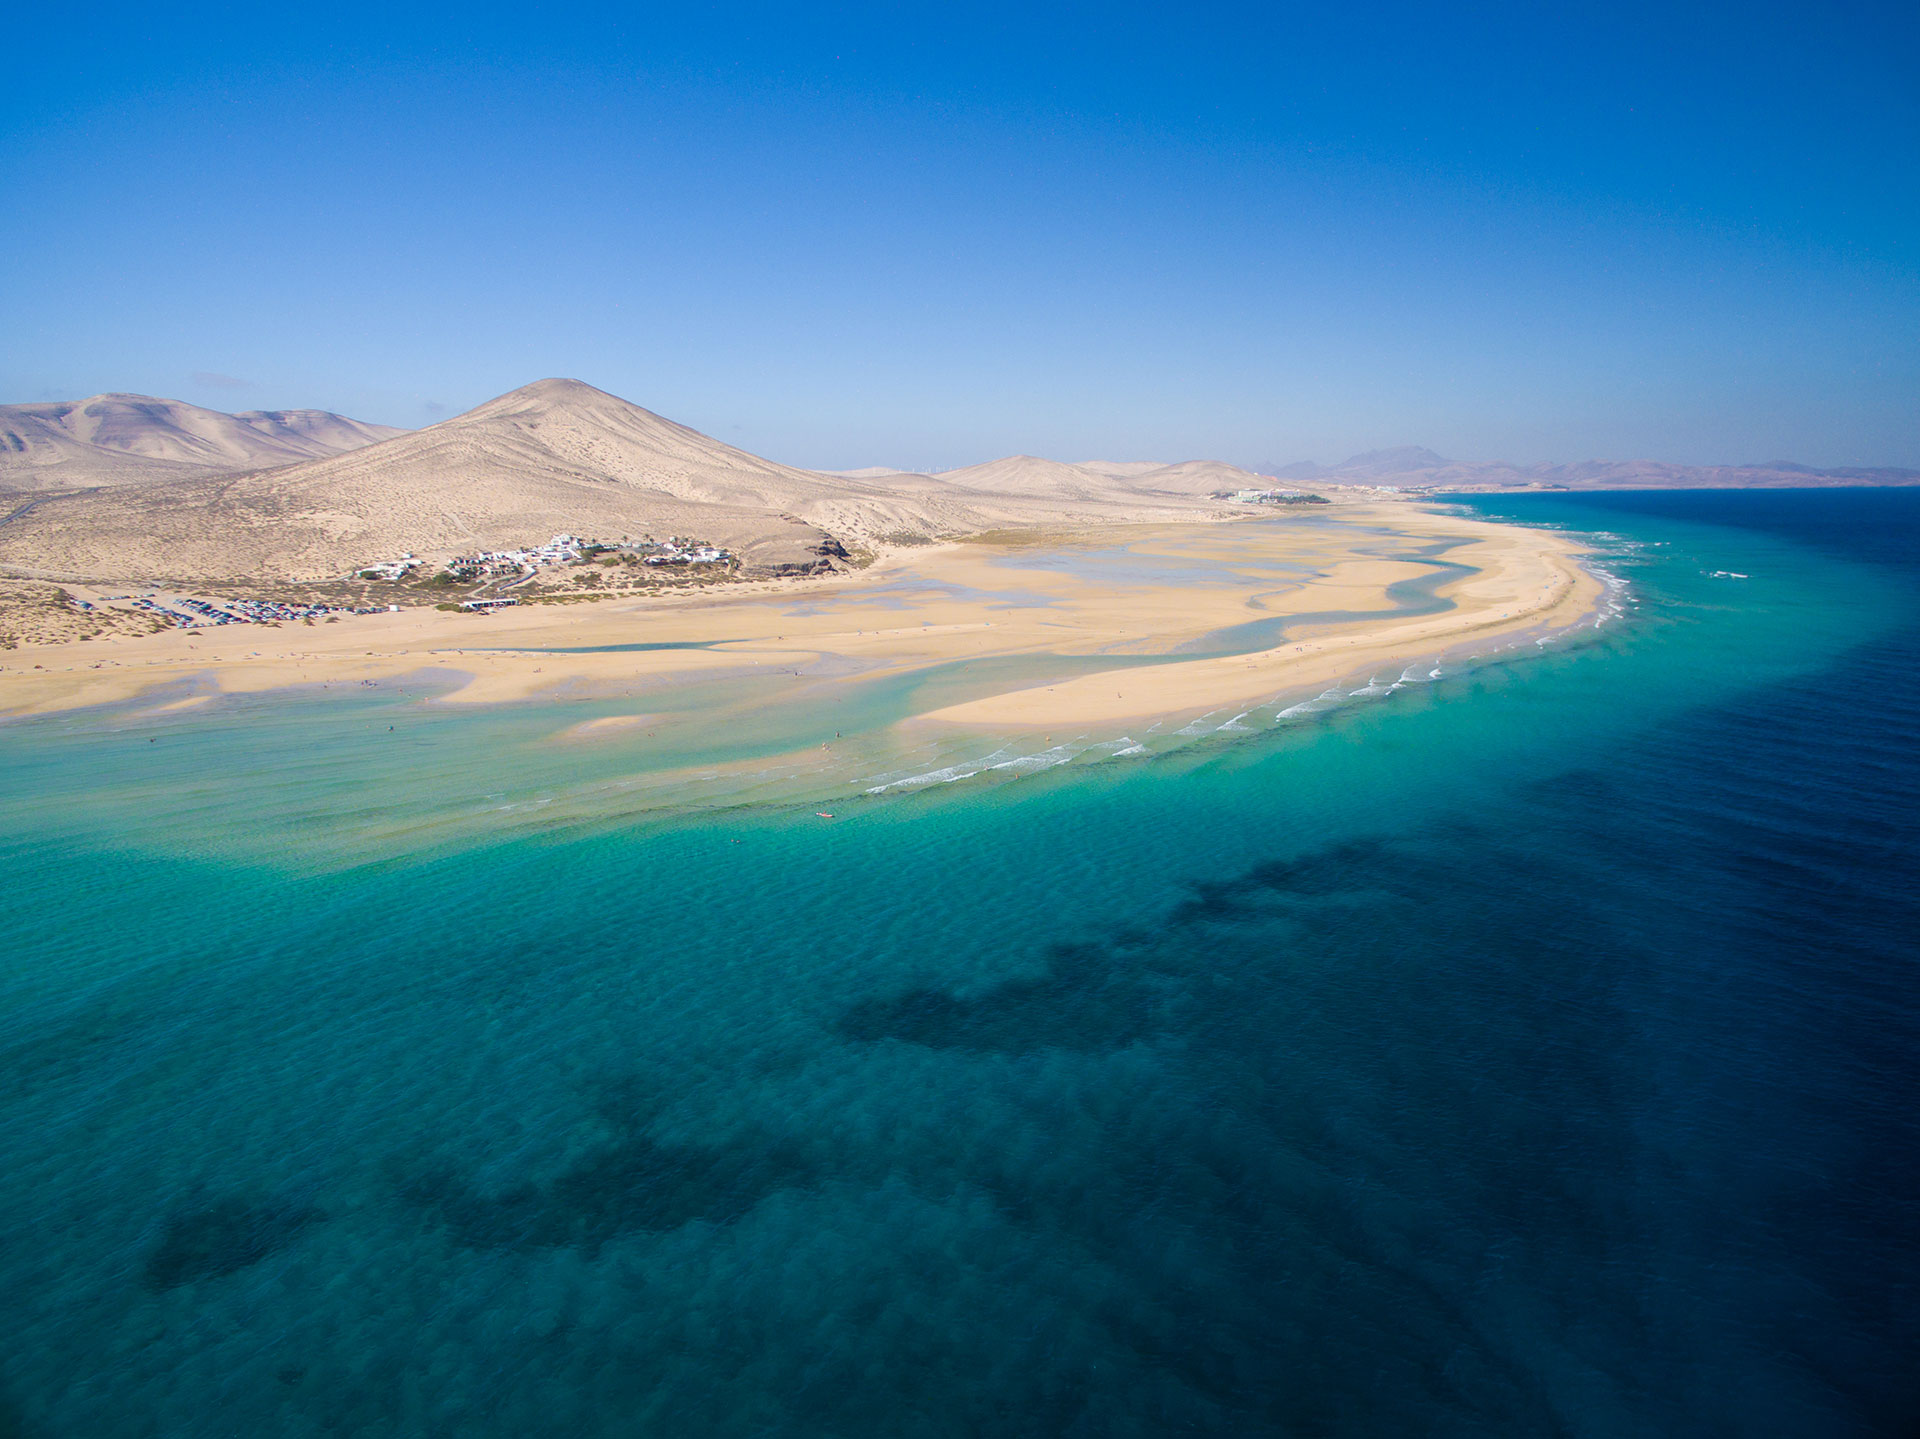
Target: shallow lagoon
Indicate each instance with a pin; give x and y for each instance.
(1530, 1050)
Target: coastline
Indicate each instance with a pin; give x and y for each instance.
(989, 617)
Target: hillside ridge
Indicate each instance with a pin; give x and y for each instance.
(120, 438)
(558, 456)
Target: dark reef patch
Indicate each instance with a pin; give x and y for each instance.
(1096, 996)
(1082, 1001)
(635, 1185)
(1343, 871)
(224, 1237)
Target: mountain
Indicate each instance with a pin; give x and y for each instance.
(554, 457)
(130, 439)
(1401, 460)
(1412, 467)
(557, 456)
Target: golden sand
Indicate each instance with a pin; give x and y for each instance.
(1124, 591)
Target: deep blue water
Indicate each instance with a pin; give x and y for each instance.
(1534, 1052)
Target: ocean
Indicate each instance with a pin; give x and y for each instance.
(1530, 1049)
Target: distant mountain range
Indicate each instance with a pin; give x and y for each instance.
(1412, 467)
(123, 439)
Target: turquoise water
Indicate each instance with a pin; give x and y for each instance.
(1532, 1050)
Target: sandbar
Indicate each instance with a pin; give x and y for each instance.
(1095, 625)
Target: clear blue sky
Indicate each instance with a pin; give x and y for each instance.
(926, 236)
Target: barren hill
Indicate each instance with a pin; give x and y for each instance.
(557, 456)
(131, 439)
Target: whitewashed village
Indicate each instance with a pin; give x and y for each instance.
(505, 570)
(492, 579)
(1269, 497)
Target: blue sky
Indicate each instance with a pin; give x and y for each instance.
(862, 235)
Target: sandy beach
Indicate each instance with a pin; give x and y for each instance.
(1357, 585)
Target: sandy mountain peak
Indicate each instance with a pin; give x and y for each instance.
(557, 397)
